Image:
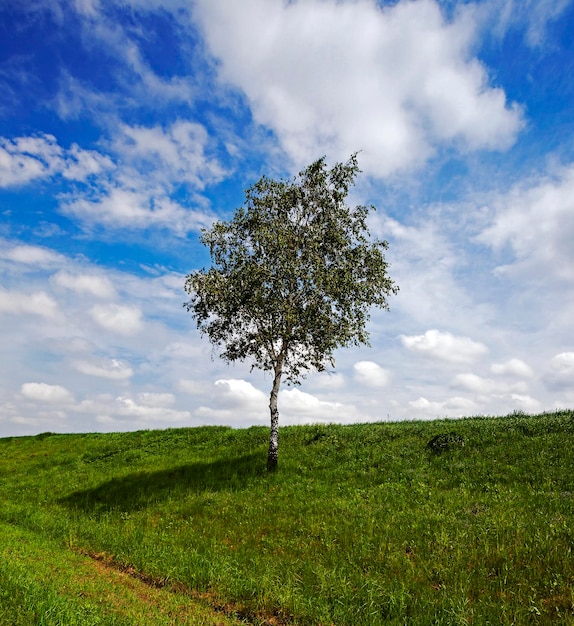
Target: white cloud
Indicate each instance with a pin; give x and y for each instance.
(17, 303)
(136, 190)
(371, 374)
(173, 153)
(238, 402)
(239, 394)
(513, 367)
(453, 407)
(152, 162)
(561, 374)
(112, 369)
(24, 159)
(92, 284)
(297, 401)
(478, 384)
(148, 411)
(124, 320)
(32, 255)
(42, 392)
(296, 406)
(81, 164)
(533, 16)
(233, 401)
(526, 403)
(137, 208)
(126, 413)
(444, 346)
(535, 219)
(335, 77)
(425, 261)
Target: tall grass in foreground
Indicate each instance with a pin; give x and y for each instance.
(361, 525)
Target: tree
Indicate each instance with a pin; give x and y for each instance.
(293, 277)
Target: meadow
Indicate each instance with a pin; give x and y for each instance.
(361, 525)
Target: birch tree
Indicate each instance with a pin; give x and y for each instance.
(293, 277)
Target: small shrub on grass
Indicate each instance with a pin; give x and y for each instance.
(444, 442)
(42, 436)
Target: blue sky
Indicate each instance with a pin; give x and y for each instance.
(126, 127)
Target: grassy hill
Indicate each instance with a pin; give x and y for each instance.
(362, 525)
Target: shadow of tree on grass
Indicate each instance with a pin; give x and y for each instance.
(141, 489)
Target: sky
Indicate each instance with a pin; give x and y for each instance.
(127, 126)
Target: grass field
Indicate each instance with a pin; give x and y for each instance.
(361, 525)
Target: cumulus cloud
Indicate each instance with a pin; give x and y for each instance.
(298, 403)
(333, 77)
(42, 392)
(137, 208)
(18, 302)
(425, 262)
(125, 406)
(127, 412)
(91, 284)
(238, 402)
(444, 346)
(535, 219)
(513, 367)
(24, 159)
(124, 320)
(152, 162)
(32, 255)
(240, 394)
(371, 374)
(177, 152)
(453, 407)
(487, 397)
(525, 402)
(135, 190)
(561, 372)
(478, 384)
(234, 401)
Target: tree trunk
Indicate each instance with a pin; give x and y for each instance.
(274, 434)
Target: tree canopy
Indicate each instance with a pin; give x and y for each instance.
(293, 277)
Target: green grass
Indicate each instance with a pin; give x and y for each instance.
(361, 525)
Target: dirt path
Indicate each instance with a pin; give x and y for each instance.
(55, 581)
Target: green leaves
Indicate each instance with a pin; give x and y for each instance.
(293, 274)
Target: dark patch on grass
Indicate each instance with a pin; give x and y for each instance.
(141, 489)
(100, 455)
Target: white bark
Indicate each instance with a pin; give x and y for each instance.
(274, 433)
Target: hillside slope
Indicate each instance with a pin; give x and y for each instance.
(443, 522)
